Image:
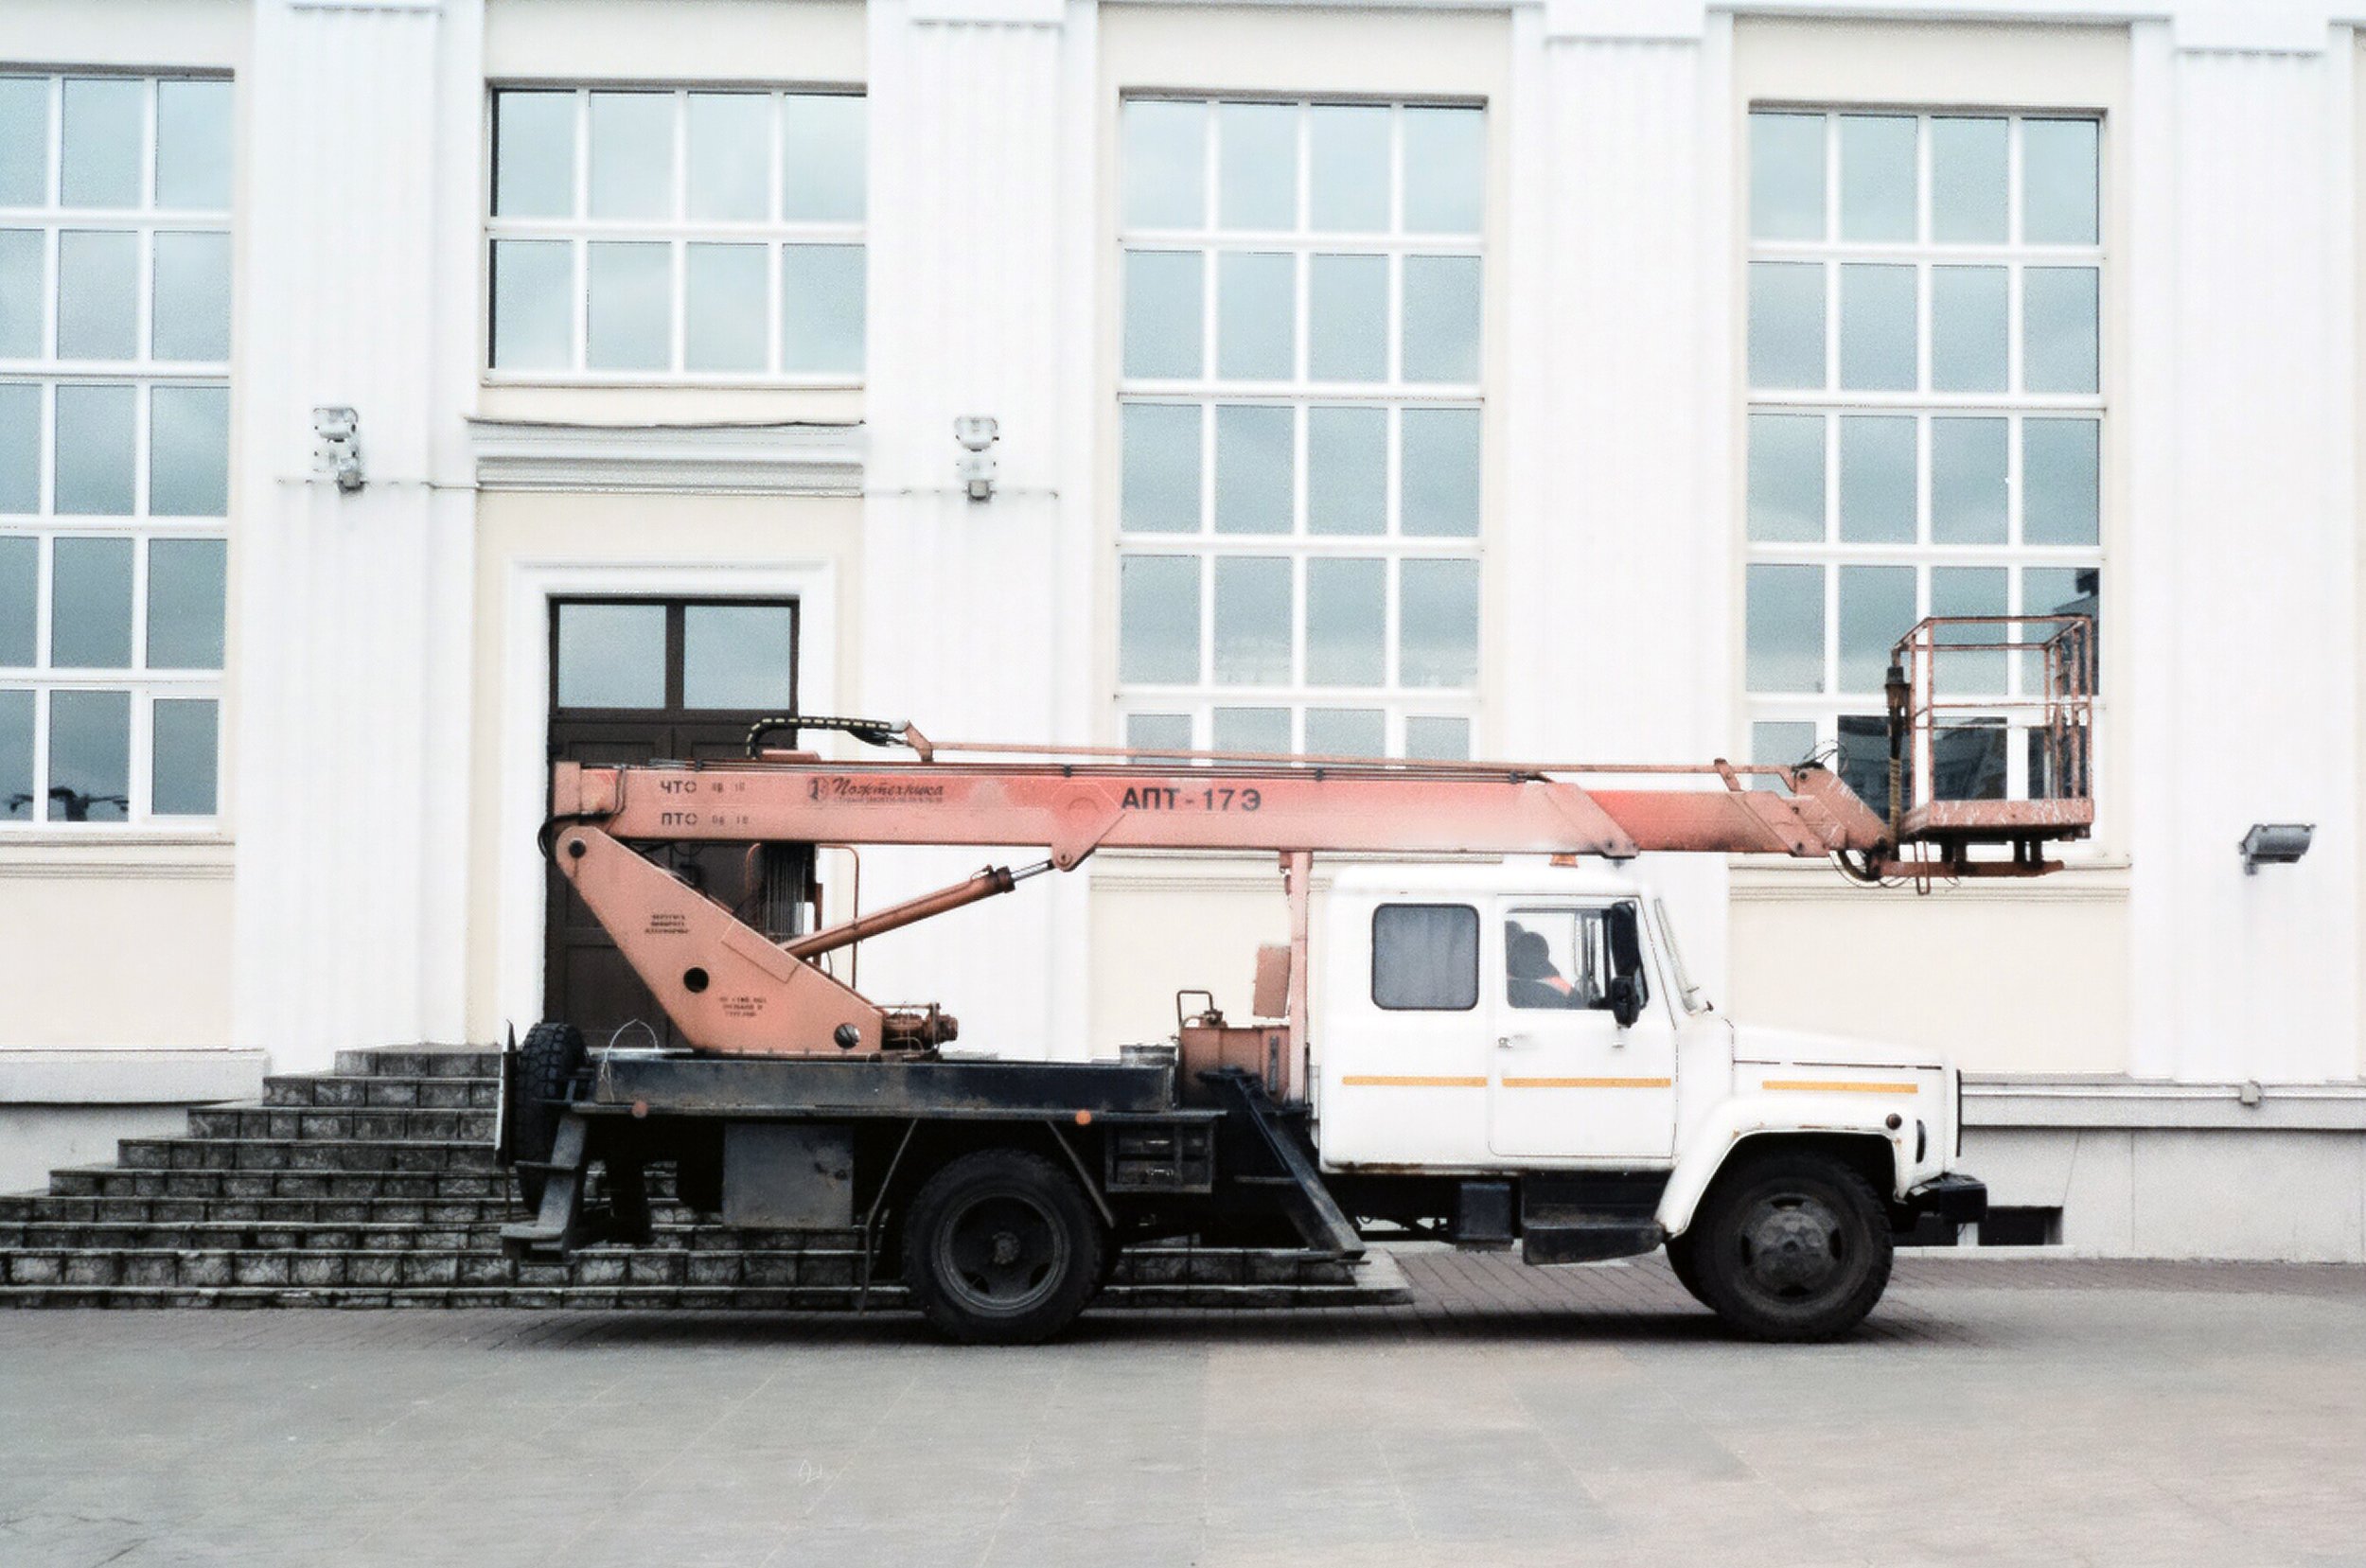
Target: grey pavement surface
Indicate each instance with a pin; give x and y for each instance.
(1991, 1411)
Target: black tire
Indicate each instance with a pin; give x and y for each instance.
(1790, 1245)
(1001, 1247)
(1686, 1270)
(548, 1058)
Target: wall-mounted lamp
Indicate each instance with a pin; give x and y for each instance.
(339, 452)
(976, 433)
(2275, 845)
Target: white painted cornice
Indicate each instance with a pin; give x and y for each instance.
(763, 459)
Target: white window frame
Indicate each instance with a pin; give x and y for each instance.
(144, 373)
(677, 231)
(1827, 708)
(1396, 702)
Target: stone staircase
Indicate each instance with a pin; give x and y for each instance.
(376, 1185)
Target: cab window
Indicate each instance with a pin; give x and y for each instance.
(1561, 958)
(1426, 958)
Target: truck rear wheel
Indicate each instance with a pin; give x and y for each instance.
(1791, 1247)
(1000, 1247)
(550, 1054)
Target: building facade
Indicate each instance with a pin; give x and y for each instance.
(1602, 379)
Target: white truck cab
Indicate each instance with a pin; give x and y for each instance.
(1531, 1029)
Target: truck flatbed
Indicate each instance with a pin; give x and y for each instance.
(679, 1083)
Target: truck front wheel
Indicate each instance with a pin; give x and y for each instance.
(1000, 1247)
(1792, 1245)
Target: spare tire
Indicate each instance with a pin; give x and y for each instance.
(548, 1060)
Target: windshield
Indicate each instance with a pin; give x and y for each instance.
(1692, 995)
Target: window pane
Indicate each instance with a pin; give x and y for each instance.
(103, 133)
(2053, 591)
(1877, 478)
(2060, 465)
(1968, 183)
(2058, 329)
(1782, 742)
(1440, 483)
(822, 309)
(192, 306)
(1787, 477)
(1252, 729)
(1786, 324)
(20, 589)
(188, 451)
(1159, 489)
(1877, 607)
(1165, 157)
(90, 603)
(723, 327)
(187, 581)
(93, 451)
(1442, 318)
(1348, 319)
(533, 316)
(1254, 458)
(1254, 309)
(1863, 761)
(23, 148)
(16, 756)
(1968, 760)
(22, 293)
(1346, 470)
(1969, 334)
(193, 145)
(1877, 177)
(631, 317)
(739, 656)
(1445, 170)
(611, 656)
(2059, 182)
(632, 155)
(1877, 328)
(90, 756)
(1351, 168)
(1162, 319)
(824, 174)
(1257, 165)
(534, 156)
(730, 155)
(1786, 176)
(20, 447)
(1157, 733)
(1968, 591)
(1425, 956)
(1968, 494)
(1252, 620)
(1438, 616)
(1346, 733)
(1785, 636)
(188, 739)
(1437, 738)
(99, 293)
(1158, 619)
(1346, 623)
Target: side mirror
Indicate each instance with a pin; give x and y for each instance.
(1625, 996)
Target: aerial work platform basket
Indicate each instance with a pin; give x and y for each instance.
(1991, 740)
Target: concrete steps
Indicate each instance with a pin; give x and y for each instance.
(375, 1185)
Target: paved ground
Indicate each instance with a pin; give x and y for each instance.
(1992, 1412)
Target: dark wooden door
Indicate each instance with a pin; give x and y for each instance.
(635, 680)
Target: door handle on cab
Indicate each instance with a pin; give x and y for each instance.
(1514, 1041)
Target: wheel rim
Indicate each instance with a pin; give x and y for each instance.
(1795, 1247)
(1001, 1253)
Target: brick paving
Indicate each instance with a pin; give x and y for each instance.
(1991, 1411)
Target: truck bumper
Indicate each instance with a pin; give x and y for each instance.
(1953, 1197)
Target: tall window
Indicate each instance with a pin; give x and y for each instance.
(676, 236)
(1926, 416)
(115, 420)
(1298, 506)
